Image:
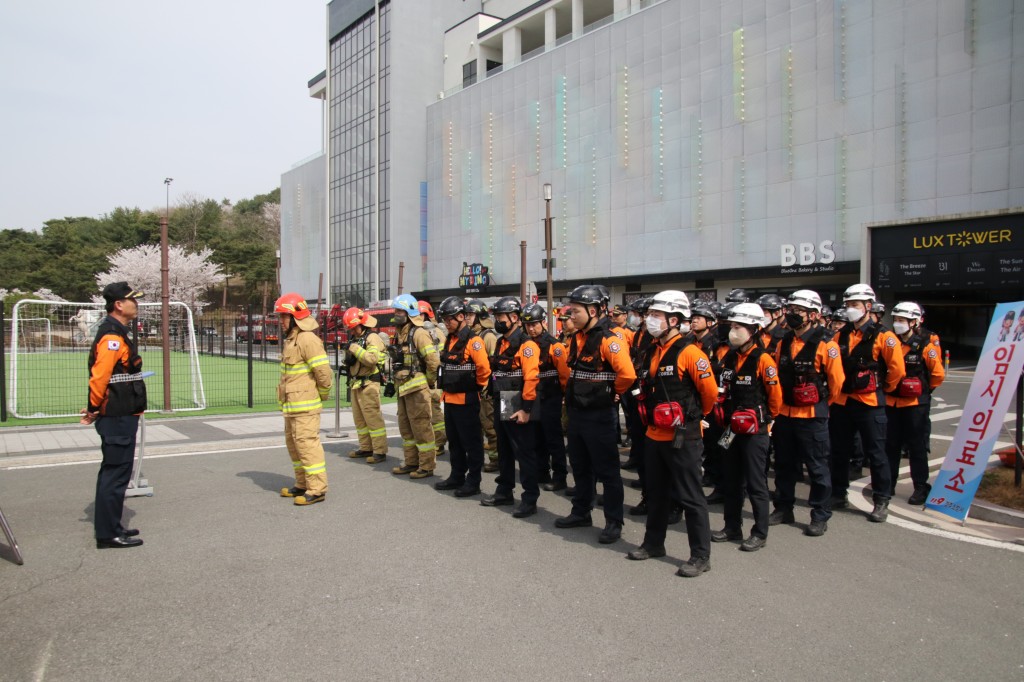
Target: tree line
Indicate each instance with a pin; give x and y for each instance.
(68, 253)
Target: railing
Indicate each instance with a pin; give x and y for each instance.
(532, 53)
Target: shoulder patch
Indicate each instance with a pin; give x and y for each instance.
(770, 372)
(932, 354)
(613, 347)
(113, 344)
(702, 365)
(558, 352)
(833, 352)
(891, 342)
(527, 352)
(477, 345)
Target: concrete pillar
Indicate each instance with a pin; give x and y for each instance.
(620, 7)
(634, 5)
(550, 28)
(511, 46)
(577, 18)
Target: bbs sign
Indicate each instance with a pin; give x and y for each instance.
(807, 257)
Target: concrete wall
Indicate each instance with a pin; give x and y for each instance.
(303, 221)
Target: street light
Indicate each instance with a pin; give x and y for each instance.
(547, 248)
(165, 298)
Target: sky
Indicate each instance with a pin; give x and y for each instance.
(100, 100)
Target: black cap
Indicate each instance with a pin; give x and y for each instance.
(118, 291)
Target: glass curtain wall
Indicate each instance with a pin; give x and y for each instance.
(352, 163)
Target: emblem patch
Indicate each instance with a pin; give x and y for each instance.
(477, 345)
(527, 352)
(613, 347)
(558, 352)
(113, 345)
(702, 365)
(771, 373)
(890, 342)
(833, 352)
(932, 354)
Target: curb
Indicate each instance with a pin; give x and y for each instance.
(987, 511)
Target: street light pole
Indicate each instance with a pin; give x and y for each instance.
(547, 248)
(165, 298)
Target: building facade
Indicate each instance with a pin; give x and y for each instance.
(692, 144)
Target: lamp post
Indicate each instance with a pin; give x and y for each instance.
(165, 298)
(547, 249)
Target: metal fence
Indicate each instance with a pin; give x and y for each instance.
(237, 351)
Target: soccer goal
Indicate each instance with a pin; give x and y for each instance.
(49, 351)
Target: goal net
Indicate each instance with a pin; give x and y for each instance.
(49, 351)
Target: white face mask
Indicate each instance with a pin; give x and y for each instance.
(684, 328)
(900, 328)
(634, 320)
(855, 314)
(738, 337)
(654, 326)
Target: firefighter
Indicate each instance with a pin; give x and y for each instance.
(873, 366)
(908, 407)
(877, 312)
(414, 363)
(515, 373)
(464, 372)
(117, 396)
(365, 357)
(775, 322)
(552, 467)
(811, 375)
(837, 321)
(438, 334)
(716, 348)
(619, 315)
(306, 379)
(640, 347)
(599, 371)
(478, 318)
(737, 296)
(703, 320)
(752, 399)
(677, 390)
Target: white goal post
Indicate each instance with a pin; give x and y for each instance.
(50, 379)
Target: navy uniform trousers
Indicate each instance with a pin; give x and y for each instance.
(117, 443)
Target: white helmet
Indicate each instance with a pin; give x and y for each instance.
(805, 298)
(671, 301)
(908, 309)
(859, 292)
(747, 313)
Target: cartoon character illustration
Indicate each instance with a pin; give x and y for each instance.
(1018, 333)
(1004, 333)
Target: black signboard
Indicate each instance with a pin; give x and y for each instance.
(475, 278)
(957, 254)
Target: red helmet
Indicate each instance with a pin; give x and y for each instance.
(354, 317)
(425, 309)
(292, 304)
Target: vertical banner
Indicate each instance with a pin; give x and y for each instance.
(992, 388)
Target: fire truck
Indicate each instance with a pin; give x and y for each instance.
(334, 331)
(263, 328)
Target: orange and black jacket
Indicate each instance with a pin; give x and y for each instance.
(464, 367)
(515, 366)
(116, 388)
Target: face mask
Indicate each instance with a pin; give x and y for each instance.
(900, 328)
(400, 319)
(501, 327)
(855, 314)
(633, 320)
(794, 320)
(738, 337)
(684, 328)
(654, 327)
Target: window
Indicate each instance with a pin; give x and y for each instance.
(469, 74)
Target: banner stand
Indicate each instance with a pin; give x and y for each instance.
(337, 432)
(11, 541)
(138, 486)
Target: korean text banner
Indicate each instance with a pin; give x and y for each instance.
(995, 381)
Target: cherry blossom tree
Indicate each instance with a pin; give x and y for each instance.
(190, 275)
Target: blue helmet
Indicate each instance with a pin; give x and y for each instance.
(408, 303)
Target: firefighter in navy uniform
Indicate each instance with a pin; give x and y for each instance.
(873, 366)
(878, 312)
(117, 396)
(365, 356)
(752, 400)
(715, 348)
(477, 317)
(552, 466)
(463, 373)
(599, 369)
(811, 375)
(640, 349)
(775, 327)
(414, 365)
(515, 373)
(908, 407)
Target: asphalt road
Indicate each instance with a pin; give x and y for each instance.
(389, 579)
